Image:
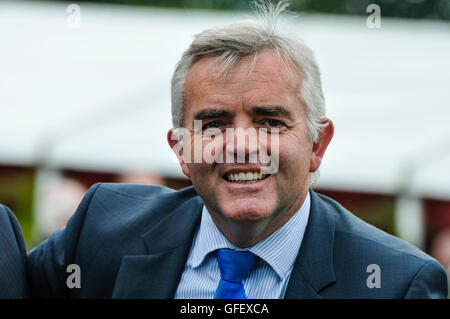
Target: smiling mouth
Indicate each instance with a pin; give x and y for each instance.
(245, 177)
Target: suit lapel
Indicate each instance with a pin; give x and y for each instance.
(157, 274)
(313, 268)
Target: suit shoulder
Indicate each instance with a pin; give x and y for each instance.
(143, 192)
(355, 231)
(128, 204)
(359, 247)
(140, 192)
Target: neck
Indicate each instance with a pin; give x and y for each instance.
(244, 234)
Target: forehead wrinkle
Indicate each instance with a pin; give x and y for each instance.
(247, 67)
(240, 73)
(233, 91)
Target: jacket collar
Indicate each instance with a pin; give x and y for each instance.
(313, 269)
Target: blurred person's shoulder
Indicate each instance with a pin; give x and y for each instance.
(5, 212)
(9, 222)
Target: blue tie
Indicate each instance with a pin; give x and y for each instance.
(234, 266)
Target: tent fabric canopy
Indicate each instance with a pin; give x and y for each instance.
(98, 97)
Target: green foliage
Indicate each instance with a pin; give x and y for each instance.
(432, 9)
(381, 215)
(16, 192)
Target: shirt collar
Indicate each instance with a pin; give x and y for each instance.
(279, 250)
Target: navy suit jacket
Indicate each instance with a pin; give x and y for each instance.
(133, 241)
(12, 257)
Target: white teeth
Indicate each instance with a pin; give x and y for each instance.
(245, 177)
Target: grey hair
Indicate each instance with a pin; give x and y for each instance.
(230, 43)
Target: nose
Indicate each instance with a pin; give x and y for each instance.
(241, 145)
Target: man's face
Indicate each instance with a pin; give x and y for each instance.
(265, 98)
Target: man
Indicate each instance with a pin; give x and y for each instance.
(13, 282)
(251, 226)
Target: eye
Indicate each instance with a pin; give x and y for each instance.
(212, 124)
(273, 123)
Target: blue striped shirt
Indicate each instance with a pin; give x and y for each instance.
(267, 280)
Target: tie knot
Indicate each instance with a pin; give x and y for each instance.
(235, 265)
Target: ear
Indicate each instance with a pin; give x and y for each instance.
(321, 145)
(177, 147)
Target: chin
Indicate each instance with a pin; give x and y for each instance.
(249, 212)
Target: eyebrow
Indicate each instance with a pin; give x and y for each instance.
(276, 110)
(208, 114)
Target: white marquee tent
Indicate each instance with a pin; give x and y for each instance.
(97, 97)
